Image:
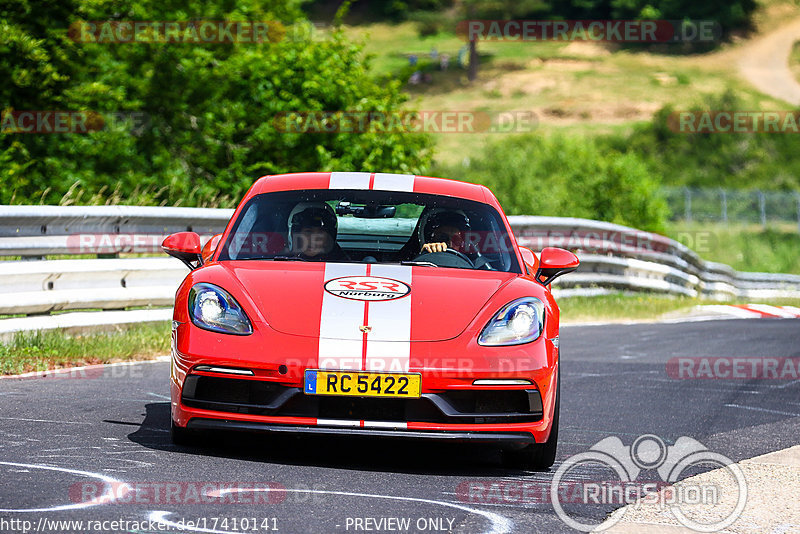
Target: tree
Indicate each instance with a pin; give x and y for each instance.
(210, 107)
(494, 9)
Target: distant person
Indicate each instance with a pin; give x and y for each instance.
(462, 56)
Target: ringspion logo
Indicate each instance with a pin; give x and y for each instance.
(696, 505)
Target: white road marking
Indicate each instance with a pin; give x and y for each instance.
(108, 496)
(756, 409)
(44, 421)
(782, 386)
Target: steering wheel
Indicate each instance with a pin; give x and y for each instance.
(459, 255)
(482, 263)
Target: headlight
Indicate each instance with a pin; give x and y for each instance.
(212, 308)
(520, 321)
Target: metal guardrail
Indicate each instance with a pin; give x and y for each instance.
(61, 230)
(612, 257)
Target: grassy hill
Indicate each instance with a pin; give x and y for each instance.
(574, 88)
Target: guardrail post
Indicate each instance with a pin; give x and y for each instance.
(687, 204)
(797, 196)
(724, 206)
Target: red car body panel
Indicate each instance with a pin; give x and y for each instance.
(432, 331)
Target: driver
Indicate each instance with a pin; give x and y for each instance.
(312, 233)
(445, 229)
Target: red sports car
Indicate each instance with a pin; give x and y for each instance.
(385, 305)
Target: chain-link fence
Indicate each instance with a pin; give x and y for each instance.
(738, 206)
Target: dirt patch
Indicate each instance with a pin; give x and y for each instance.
(571, 112)
(567, 64)
(589, 49)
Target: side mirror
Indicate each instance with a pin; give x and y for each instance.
(554, 262)
(529, 259)
(210, 247)
(185, 246)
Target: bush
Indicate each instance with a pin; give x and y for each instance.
(210, 107)
(568, 177)
(728, 160)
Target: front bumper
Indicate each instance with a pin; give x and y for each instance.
(263, 398)
(509, 438)
(451, 406)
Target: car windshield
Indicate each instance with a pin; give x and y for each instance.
(371, 227)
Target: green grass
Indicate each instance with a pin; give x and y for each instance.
(39, 351)
(775, 249)
(638, 306)
(574, 88)
(794, 60)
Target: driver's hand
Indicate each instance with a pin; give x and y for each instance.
(434, 247)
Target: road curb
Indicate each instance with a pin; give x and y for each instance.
(771, 506)
(72, 371)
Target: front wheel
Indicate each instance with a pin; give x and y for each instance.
(541, 456)
(179, 435)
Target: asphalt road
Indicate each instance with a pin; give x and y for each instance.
(64, 441)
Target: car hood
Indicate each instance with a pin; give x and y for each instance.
(356, 301)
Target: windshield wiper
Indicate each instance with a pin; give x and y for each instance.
(419, 263)
(288, 258)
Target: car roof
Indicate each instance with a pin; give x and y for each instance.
(377, 181)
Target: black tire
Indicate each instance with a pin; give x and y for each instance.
(541, 456)
(180, 436)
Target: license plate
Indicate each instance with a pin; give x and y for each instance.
(358, 384)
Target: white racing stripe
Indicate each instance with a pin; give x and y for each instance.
(349, 180)
(385, 424)
(341, 318)
(383, 181)
(393, 182)
(338, 422)
(389, 341)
